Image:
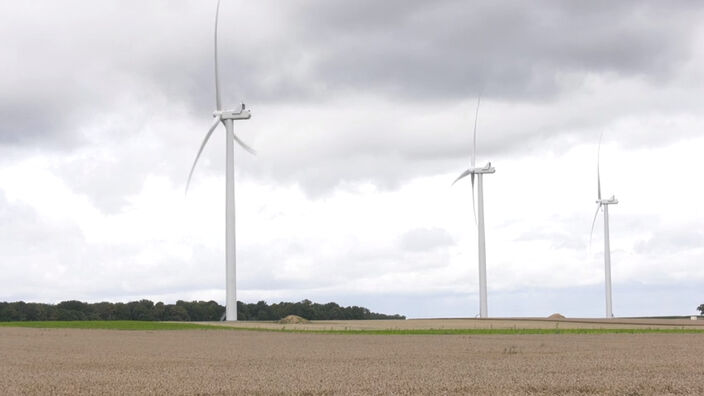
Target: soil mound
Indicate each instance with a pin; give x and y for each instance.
(293, 319)
(556, 316)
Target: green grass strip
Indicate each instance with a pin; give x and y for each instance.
(110, 325)
(497, 331)
(144, 325)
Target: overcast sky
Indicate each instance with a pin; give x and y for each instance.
(362, 117)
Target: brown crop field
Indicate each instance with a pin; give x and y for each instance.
(217, 362)
(493, 323)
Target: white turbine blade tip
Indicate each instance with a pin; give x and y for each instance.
(218, 104)
(598, 167)
(474, 140)
(463, 175)
(200, 151)
(591, 234)
(474, 205)
(244, 146)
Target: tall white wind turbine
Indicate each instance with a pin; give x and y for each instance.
(226, 117)
(603, 204)
(473, 172)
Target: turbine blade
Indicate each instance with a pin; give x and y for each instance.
(591, 234)
(474, 205)
(598, 183)
(598, 168)
(474, 141)
(464, 174)
(218, 104)
(207, 136)
(244, 146)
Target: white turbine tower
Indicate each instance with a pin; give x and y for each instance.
(226, 117)
(604, 204)
(479, 219)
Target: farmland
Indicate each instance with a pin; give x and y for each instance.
(480, 326)
(198, 361)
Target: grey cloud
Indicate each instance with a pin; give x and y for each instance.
(20, 124)
(449, 49)
(557, 239)
(115, 57)
(342, 93)
(273, 53)
(34, 251)
(263, 267)
(22, 229)
(71, 62)
(672, 241)
(48, 262)
(424, 239)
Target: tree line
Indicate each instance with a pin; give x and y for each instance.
(308, 310)
(180, 311)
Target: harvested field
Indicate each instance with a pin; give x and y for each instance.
(494, 323)
(79, 361)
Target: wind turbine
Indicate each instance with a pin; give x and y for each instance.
(226, 117)
(604, 204)
(473, 172)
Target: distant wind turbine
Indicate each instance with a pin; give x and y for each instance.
(479, 219)
(604, 204)
(226, 117)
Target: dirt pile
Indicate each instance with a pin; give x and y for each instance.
(556, 316)
(293, 319)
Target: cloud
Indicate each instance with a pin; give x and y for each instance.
(446, 50)
(672, 241)
(362, 116)
(423, 239)
(388, 96)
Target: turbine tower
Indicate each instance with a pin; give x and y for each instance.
(604, 205)
(226, 117)
(473, 172)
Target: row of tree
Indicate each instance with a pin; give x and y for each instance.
(181, 311)
(307, 309)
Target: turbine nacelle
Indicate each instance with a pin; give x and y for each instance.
(610, 201)
(486, 169)
(240, 114)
